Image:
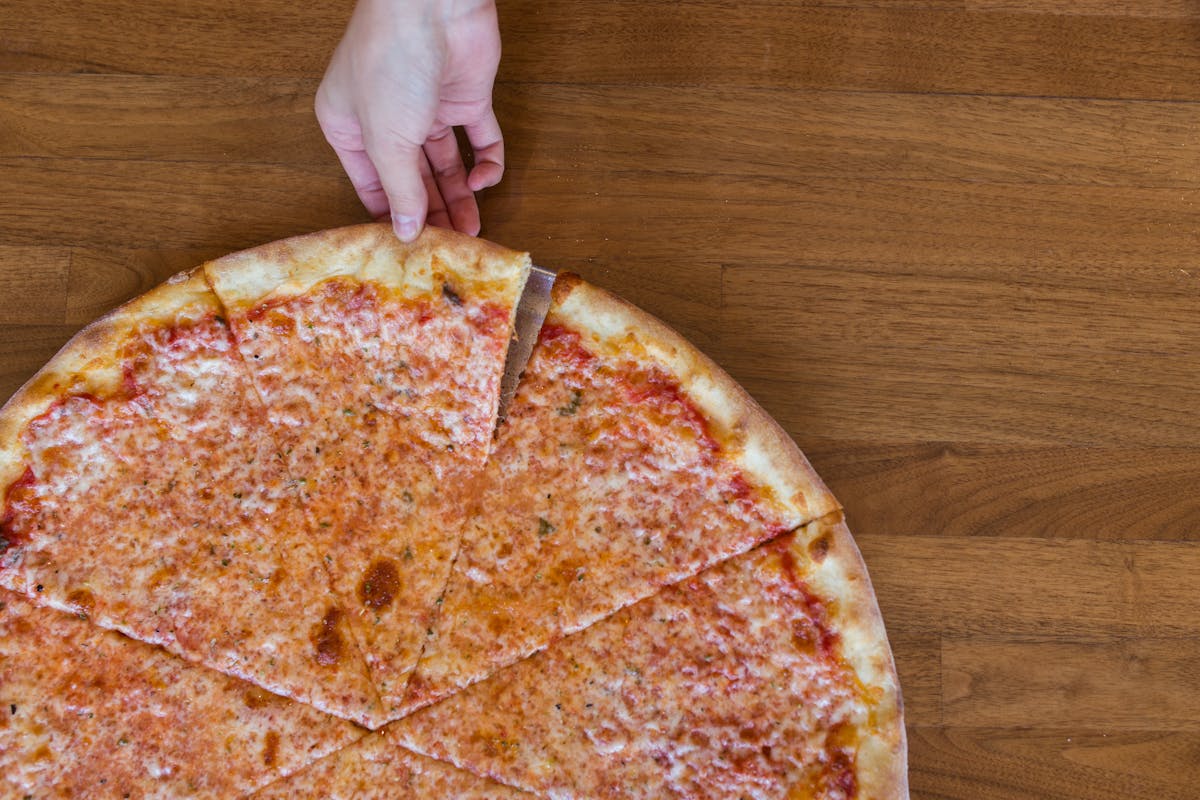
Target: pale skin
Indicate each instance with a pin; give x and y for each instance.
(404, 76)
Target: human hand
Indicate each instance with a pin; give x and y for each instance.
(404, 75)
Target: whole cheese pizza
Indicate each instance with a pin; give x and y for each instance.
(262, 534)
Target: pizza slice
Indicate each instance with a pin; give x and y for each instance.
(766, 676)
(142, 489)
(88, 712)
(377, 767)
(627, 461)
(380, 364)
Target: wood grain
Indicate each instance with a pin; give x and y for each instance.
(1128, 685)
(770, 133)
(1056, 764)
(855, 47)
(951, 245)
(1035, 588)
(35, 289)
(160, 118)
(1026, 366)
(1110, 493)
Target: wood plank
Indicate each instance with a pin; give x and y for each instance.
(1142, 684)
(1064, 230)
(766, 133)
(133, 204)
(849, 135)
(33, 283)
(762, 44)
(932, 489)
(161, 118)
(877, 49)
(884, 354)
(1174, 9)
(1045, 588)
(1054, 764)
(203, 37)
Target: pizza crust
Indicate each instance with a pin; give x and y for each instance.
(760, 447)
(368, 253)
(833, 568)
(89, 363)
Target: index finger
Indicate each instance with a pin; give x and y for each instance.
(345, 136)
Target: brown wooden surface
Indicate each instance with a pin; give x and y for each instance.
(952, 245)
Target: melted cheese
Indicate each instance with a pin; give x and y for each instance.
(709, 689)
(153, 514)
(384, 407)
(604, 486)
(91, 713)
(374, 768)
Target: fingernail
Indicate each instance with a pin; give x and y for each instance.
(407, 228)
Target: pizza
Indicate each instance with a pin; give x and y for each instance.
(375, 767)
(627, 462)
(261, 533)
(89, 712)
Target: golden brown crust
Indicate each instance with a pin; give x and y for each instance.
(368, 253)
(834, 569)
(761, 448)
(89, 362)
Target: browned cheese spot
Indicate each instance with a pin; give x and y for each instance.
(805, 636)
(379, 585)
(818, 548)
(83, 602)
(271, 748)
(255, 697)
(328, 639)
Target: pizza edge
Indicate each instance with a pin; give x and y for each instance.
(89, 363)
(837, 573)
(758, 445)
(368, 253)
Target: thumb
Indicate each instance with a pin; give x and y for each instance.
(399, 166)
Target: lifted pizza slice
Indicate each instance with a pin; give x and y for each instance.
(380, 364)
(143, 489)
(767, 676)
(87, 712)
(628, 461)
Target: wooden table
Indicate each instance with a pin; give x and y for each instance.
(951, 245)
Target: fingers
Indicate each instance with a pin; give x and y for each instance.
(414, 183)
(438, 215)
(400, 172)
(344, 135)
(488, 145)
(451, 178)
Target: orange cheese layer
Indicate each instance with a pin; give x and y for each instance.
(384, 406)
(156, 510)
(375, 768)
(88, 712)
(729, 684)
(605, 484)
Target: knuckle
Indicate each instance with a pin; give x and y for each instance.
(341, 133)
